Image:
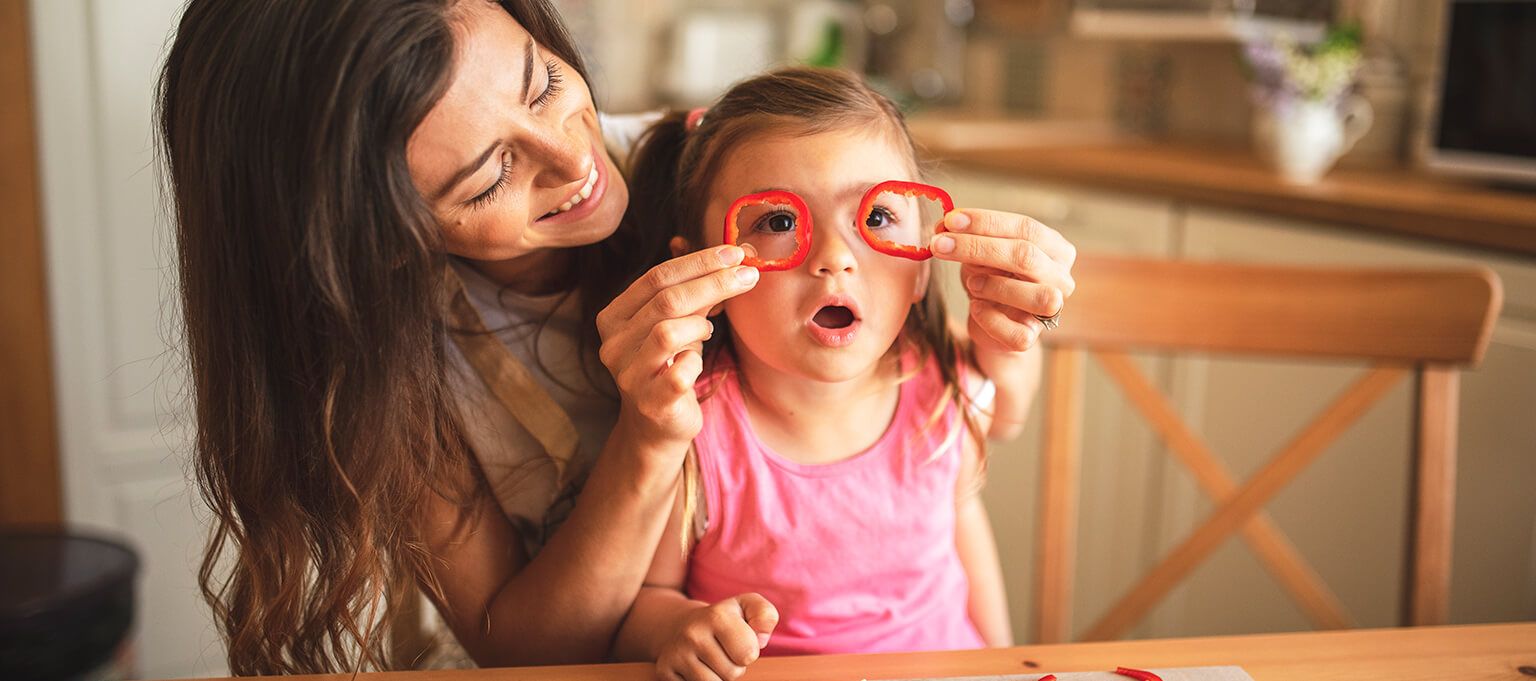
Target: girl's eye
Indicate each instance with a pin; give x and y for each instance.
(776, 223)
(554, 86)
(879, 218)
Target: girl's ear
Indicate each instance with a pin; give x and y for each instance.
(920, 286)
(680, 246)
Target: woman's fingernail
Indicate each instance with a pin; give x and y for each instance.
(746, 276)
(731, 255)
(974, 283)
(749, 250)
(944, 244)
(957, 221)
(762, 641)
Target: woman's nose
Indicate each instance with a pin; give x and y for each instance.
(831, 253)
(563, 155)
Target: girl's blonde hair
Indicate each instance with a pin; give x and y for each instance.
(673, 167)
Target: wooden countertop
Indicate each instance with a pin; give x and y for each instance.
(1494, 651)
(1388, 200)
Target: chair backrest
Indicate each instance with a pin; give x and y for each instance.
(1426, 323)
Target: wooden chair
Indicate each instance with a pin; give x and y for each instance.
(1428, 323)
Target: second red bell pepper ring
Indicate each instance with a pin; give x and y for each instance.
(922, 191)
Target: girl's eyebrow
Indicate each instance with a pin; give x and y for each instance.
(852, 190)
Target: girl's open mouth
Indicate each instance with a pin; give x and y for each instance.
(835, 322)
(833, 317)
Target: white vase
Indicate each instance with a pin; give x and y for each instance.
(1304, 139)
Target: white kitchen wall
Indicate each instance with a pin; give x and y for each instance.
(108, 266)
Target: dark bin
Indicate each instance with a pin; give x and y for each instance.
(66, 604)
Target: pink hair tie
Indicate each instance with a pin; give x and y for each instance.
(695, 117)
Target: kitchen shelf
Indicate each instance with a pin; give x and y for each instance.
(1148, 25)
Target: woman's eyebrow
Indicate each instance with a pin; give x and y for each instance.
(528, 51)
(464, 172)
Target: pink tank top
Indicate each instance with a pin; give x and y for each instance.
(857, 555)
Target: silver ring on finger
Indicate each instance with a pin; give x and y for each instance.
(1050, 322)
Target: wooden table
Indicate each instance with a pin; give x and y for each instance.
(1492, 651)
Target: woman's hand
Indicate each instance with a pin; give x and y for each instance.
(1013, 268)
(716, 643)
(653, 333)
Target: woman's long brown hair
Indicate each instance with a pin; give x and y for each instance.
(311, 289)
(674, 167)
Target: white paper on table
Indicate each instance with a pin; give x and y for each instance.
(1183, 674)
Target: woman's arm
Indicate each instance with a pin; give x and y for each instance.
(1016, 376)
(566, 605)
(1013, 268)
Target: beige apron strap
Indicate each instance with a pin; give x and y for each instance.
(510, 381)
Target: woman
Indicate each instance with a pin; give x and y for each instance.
(366, 192)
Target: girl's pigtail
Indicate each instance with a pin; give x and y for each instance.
(653, 205)
(654, 178)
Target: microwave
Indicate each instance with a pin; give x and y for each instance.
(1483, 121)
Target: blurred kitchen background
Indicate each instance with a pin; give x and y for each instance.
(1129, 125)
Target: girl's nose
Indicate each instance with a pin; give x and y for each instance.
(831, 253)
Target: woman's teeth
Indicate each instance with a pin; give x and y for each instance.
(578, 197)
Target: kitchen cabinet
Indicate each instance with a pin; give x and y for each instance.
(1112, 552)
(1347, 513)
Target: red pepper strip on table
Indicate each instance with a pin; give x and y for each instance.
(1047, 677)
(802, 232)
(1137, 674)
(925, 191)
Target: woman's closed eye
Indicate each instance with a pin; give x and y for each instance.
(553, 86)
(490, 192)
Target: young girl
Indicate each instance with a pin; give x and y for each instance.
(831, 505)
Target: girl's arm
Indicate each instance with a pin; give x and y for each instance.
(690, 639)
(661, 603)
(566, 605)
(988, 603)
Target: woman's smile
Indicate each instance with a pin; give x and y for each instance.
(585, 200)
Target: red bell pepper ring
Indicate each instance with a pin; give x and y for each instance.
(1047, 677)
(1137, 674)
(924, 191)
(802, 230)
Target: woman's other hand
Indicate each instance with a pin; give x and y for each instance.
(653, 334)
(1014, 268)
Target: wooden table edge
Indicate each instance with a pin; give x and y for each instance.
(1483, 651)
